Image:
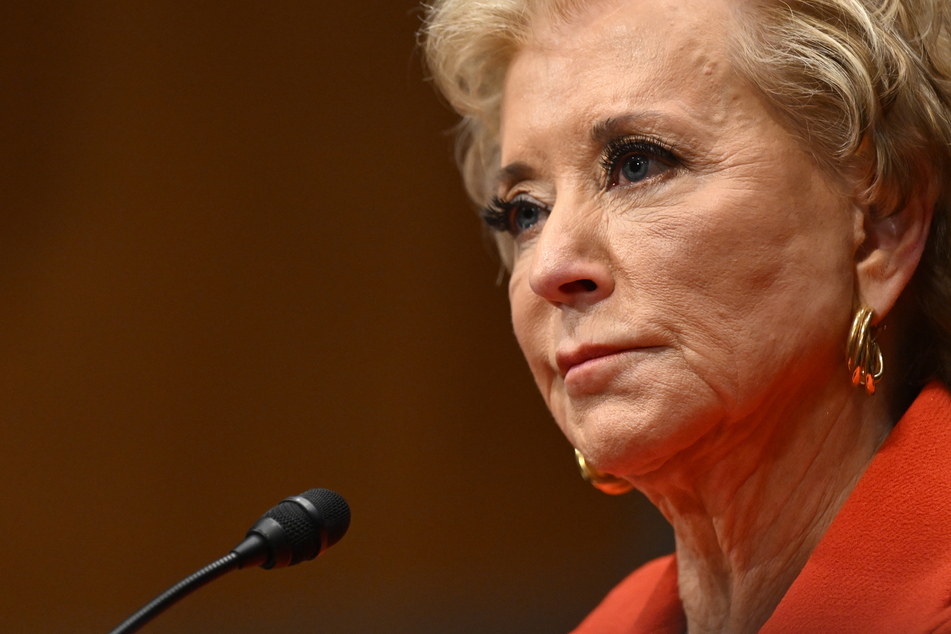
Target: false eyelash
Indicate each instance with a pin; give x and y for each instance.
(497, 215)
(500, 215)
(618, 148)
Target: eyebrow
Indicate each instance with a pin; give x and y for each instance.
(514, 172)
(607, 129)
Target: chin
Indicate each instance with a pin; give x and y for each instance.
(628, 441)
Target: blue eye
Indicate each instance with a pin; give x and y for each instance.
(513, 216)
(525, 215)
(630, 160)
(635, 168)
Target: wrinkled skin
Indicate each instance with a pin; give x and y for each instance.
(721, 284)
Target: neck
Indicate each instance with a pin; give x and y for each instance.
(750, 506)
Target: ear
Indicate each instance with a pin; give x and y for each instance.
(889, 254)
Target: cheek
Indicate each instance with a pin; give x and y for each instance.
(527, 317)
(750, 285)
(532, 322)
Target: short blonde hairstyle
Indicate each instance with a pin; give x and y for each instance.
(862, 83)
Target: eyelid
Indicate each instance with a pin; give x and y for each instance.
(619, 146)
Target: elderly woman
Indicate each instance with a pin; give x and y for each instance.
(727, 226)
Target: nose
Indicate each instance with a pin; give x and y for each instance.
(571, 263)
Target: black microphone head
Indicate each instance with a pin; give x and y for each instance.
(298, 529)
(336, 512)
(315, 518)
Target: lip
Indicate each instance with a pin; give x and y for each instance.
(569, 359)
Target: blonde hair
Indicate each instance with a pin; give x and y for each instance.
(864, 84)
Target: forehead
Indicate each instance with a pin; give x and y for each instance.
(619, 56)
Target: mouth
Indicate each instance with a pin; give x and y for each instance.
(579, 357)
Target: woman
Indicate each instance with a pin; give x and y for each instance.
(725, 223)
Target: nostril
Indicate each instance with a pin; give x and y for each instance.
(579, 286)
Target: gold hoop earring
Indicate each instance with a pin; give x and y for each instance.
(865, 357)
(604, 482)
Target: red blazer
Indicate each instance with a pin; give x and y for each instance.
(884, 565)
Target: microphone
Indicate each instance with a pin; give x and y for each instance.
(298, 529)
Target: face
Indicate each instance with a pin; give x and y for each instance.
(683, 269)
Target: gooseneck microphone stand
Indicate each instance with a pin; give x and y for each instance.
(180, 590)
(298, 529)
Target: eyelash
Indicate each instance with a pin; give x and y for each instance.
(499, 215)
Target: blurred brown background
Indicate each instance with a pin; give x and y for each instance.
(236, 263)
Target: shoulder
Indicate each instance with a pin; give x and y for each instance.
(646, 601)
(884, 565)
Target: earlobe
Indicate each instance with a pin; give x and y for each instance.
(889, 253)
